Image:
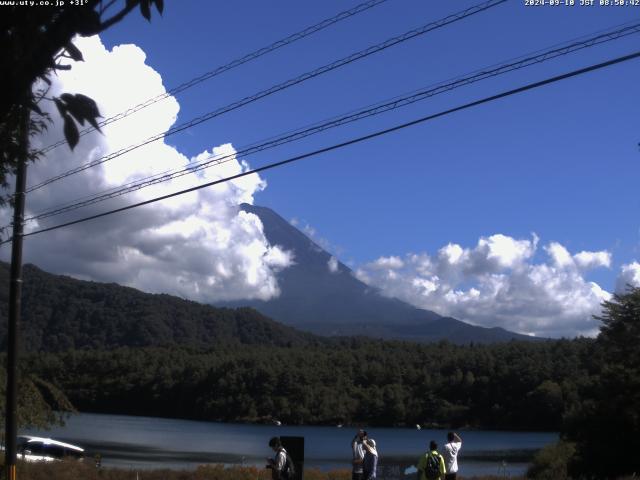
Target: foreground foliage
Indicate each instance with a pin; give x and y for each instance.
(606, 425)
(36, 42)
(552, 462)
(40, 403)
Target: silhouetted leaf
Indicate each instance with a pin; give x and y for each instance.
(82, 108)
(159, 6)
(145, 8)
(90, 24)
(71, 107)
(88, 105)
(62, 67)
(74, 52)
(62, 108)
(71, 132)
(35, 108)
(32, 41)
(94, 124)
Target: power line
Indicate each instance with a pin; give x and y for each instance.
(231, 65)
(370, 136)
(214, 160)
(282, 86)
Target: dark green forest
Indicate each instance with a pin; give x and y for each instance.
(516, 385)
(114, 349)
(62, 313)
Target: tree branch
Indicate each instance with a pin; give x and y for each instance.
(106, 7)
(117, 17)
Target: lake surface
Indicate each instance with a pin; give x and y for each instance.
(147, 442)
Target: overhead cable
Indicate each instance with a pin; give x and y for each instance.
(214, 160)
(281, 86)
(229, 66)
(370, 136)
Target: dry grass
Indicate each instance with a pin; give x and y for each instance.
(70, 470)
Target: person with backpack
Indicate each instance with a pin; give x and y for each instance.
(282, 464)
(431, 464)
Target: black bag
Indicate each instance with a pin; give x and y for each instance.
(432, 469)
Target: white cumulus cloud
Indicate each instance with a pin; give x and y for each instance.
(391, 263)
(629, 276)
(559, 255)
(199, 245)
(588, 260)
(498, 283)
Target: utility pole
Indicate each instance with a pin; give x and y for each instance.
(15, 299)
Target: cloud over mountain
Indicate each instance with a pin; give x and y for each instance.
(198, 245)
(498, 282)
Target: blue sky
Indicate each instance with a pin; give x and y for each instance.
(562, 161)
(550, 168)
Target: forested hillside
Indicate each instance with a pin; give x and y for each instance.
(517, 385)
(61, 313)
(114, 349)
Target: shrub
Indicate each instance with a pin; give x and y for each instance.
(551, 462)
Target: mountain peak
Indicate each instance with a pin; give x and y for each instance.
(334, 302)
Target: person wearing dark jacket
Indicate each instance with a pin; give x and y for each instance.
(370, 463)
(357, 450)
(277, 464)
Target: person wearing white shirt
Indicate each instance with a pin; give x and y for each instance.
(451, 449)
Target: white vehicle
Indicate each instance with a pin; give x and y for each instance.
(38, 449)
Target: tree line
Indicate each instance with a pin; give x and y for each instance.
(516, 385)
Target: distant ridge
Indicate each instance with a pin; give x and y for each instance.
(336, 303)
(61, 313)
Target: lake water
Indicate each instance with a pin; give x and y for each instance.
(147, 442)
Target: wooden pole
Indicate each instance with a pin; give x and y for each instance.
(15, 302)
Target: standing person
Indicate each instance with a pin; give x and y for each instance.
(357, 449)
(431, 464)
(451, 449)
(281, 465)
(370, 463)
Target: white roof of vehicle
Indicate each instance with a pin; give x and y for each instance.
(50, 441)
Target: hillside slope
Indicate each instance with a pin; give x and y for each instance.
(61, 313)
